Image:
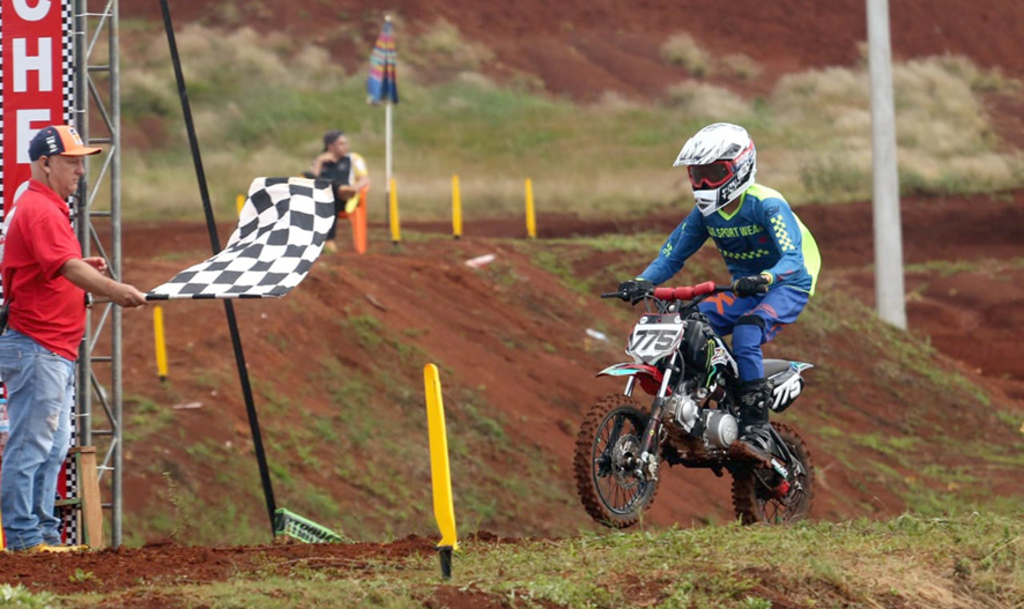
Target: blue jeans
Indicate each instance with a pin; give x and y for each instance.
(40, 389)
(752, 322)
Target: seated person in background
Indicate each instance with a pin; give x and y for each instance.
(347, 173)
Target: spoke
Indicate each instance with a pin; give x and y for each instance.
(616, 436)
(616, 430)
(617, 498)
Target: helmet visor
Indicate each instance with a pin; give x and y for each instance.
(711, 175)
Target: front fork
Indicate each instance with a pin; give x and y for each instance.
(647, 467)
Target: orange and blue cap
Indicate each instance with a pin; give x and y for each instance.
(57, 140)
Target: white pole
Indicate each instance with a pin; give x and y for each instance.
(886, 202)
(387, 142)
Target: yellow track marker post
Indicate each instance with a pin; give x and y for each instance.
(161, 345)
(440, 473)
(240, 203)
(531, 220)
(396, 231)
(456, 208)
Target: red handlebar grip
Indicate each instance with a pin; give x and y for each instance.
(683, 293)
(704, 288)
(686, 292)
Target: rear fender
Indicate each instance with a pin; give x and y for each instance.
(648, 376)
(789, 384)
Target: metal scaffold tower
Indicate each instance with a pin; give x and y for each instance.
(98, 120)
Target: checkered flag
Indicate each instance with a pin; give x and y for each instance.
(281, 231)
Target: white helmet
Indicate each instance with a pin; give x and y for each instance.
(722, 161)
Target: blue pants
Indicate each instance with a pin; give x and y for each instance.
(752, 322)
(40, 389)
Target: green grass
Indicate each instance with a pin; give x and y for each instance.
(144, 418)
(19, 597)
(968, 560)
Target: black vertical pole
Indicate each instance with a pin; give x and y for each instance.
(236, 339)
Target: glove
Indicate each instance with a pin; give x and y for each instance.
(635, 290)
(751, 285)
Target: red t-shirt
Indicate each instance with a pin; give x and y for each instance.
(39, 240)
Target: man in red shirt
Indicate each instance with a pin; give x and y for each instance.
(45, 279)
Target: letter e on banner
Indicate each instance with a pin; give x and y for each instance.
(35, 52)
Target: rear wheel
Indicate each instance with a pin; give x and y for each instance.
(606, 460)
(759, 495)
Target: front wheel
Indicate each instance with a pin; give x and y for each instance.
(607, 459)
(759, 495)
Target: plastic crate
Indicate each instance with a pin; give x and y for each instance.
(303, 529)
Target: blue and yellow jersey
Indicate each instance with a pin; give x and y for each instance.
(763, 234)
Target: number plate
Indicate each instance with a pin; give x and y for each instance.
(654, 337)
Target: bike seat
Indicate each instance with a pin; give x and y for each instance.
(775, 366)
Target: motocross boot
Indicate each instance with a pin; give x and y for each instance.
(755, 432)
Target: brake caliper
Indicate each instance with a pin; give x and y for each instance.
(783, 488)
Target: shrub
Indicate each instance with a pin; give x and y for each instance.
(682, 50)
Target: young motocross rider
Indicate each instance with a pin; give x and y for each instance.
(770, 254)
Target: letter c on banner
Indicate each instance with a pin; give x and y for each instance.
(31, 13)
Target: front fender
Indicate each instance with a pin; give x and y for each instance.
(631, 370)
(648, 376)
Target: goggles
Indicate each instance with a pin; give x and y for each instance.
(711, 175)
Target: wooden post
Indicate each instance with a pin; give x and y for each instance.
(89, 493)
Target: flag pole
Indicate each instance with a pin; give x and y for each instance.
(381, 83)
(229, 311)
(387, 132)
(387, 141)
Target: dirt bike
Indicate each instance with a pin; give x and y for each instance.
(692, 420)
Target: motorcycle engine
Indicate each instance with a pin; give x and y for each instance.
(683, 409)
(720, 428)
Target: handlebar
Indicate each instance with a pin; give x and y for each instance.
(679, 293)
(688, 292)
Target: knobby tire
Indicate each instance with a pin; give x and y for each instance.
(754, 502)
(598, 486)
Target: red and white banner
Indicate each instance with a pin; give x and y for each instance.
(37, 87)
(36, 90)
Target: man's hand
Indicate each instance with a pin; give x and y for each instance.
(87, 274)
(126, 295)
(346, 192)
(635, 290)
(750, 286)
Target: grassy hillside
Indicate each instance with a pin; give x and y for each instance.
(261, 104)
(337, 369)
(965, 561)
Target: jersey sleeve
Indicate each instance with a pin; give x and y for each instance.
(782, 227)
(51, 241)
(684, 241)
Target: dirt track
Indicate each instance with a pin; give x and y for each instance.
(977, 232)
